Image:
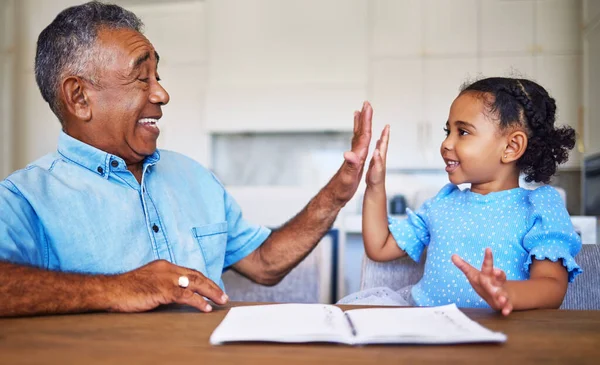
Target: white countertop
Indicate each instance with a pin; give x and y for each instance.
(352, 223)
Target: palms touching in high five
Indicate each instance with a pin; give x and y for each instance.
(354, 160)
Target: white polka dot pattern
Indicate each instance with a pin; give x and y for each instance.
(517, 224)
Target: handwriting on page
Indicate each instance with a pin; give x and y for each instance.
(409, 322)
(329, 319)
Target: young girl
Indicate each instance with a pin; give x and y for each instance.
(497, 129)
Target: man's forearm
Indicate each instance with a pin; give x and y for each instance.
(287, 246)
(290, 244)
(27, 291)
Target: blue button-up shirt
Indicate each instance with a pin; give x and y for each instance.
(81, 210)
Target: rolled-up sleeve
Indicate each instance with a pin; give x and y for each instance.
(242, 236)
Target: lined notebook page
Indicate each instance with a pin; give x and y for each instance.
(284, 323)
(445, 324)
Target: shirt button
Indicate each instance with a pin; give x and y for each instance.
(114, 163)
(100, 169)
(155, 228)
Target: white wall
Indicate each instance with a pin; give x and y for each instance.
(35, 128)
(7, 58)
(297, 65)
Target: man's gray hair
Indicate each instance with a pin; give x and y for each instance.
(66, 47)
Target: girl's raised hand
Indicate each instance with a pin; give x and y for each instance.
(488, 283)
(376, 172)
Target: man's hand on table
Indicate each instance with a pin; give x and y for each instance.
(157, 283)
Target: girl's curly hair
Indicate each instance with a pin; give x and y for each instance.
(524, 103)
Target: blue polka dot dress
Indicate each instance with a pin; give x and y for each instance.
(519, 225)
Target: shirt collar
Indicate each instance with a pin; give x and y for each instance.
(93, 159)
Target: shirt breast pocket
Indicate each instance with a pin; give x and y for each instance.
(212, 239)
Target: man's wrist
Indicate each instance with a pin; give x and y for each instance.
(103, 292)
(328, 198)
(333, 194)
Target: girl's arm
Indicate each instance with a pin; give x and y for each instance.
(545, 288)
(379, 243)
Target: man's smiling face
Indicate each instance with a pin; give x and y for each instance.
(126, 104)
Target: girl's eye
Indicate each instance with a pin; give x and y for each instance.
(144, 80)
(462, 132)
(446, 131)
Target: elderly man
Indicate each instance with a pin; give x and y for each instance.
(108, 222)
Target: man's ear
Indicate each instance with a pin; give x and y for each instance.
(76, 100)
(516, 144)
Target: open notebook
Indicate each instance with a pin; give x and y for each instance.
(328, 323)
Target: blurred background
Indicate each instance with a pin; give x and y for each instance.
(263, 91)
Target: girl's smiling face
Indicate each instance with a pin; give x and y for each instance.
(474, 147)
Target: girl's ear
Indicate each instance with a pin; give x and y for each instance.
(516, 144)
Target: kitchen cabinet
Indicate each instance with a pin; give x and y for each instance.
(556, 73)
(285, 66)
(506, 27)
(398, 100)
(591, 11)
(591, 77)
(450, 28)
(414, 96)
(443, 79)
(416, 76)
(272, 109)
(558, 26)
(558, 62)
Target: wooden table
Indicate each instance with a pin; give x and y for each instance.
(177, 334)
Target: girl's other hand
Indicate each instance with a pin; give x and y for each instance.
(488, 283)
(376, 171)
